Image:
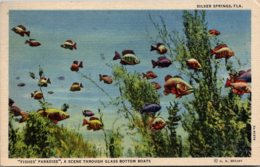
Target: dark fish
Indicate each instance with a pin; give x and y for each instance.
(214, 32)
(64, 107)
(17, 78)
(162, 62)
(61, 78)
(76, 87)
(76, 65)
(21, 30)
(160, 48)
(50, 92)
(21, 84)
(149, 75)
(150, 108)
(37, 95)
(32, 42)
(69, 44)
(244, 75)
(87, 113)
(107, 79)
(128, 57)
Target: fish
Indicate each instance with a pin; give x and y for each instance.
(241, 76)
(150, 108)
(17, 111)
(32, 43)
(69, 44)
(21, 84)
(43, 81)
(37, 95)
(17, 77)
(61, 78)
(193, 64)
(76, 65)
(65, 107)
(149, 75)
(214, 32)
(54, 114)
(160, 48)
(161, 62)
(222, 51)
(76, 87)
(94, 124)
(240, 88)
(87, 113)
(157, 123)
(128, 57)
(50, 92)
(107, 79)
(156, 85)
(176, 85)
(21, 30)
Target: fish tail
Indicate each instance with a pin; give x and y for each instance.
(27, 41)
(27, 33)
(153, 48)
(75, 46)
(48, 80)
(117, 56)
(100, 77)
(144, 75)
(31, 95)
(154, 63)
(212, 52)
(165, 92)
(81, 85)
(81, 64)
(228, 83)
(85, 122)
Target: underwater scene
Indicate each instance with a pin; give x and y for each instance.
(129, 83)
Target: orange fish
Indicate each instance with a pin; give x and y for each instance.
(222, 51)
(149, 75)
(37, 95)
(107, 79)
(240, 88)
(214, 32)
(193, 64)
(176, 85)
(76, 65)
(93, 124)
(156, 123)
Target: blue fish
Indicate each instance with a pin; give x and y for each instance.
(150, 108)
(245, 75)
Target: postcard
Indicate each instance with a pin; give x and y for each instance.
(129, 83)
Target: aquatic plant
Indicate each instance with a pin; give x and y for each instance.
(218, 124)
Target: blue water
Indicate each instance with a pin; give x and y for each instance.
(101, 33)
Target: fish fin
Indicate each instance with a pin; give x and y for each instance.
(212, 52)
(241, 72)
(28, 33)
(85, 122)
(165, 92)
(81, 64)
(153, 48)
(75, 62)
(127, 52)
(154, 63)
(144, 75)
(167, 77)
(75, 46)
(228, 83)
(100, 77)
(117, 56)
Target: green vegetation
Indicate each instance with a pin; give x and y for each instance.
(217, 124)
